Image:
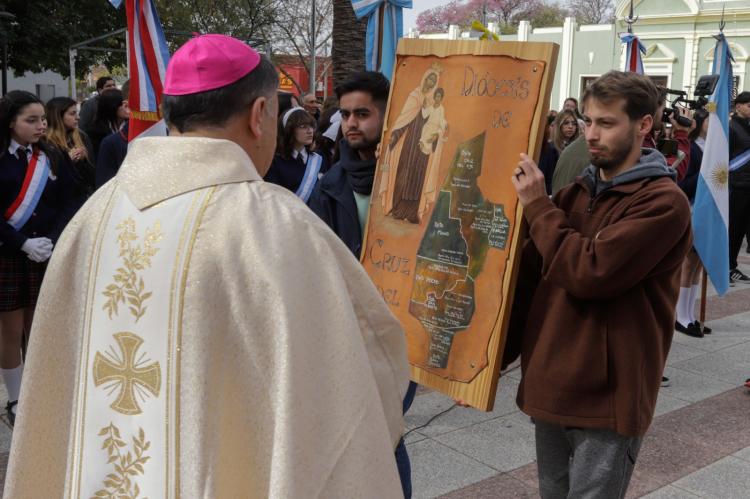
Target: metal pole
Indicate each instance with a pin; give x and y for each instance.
(313, 42)
(96, 39)
(10, 18)
(630, 20)
(72, 60)
(704, 292)
(5, 64)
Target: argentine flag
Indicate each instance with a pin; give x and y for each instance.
(711, 206)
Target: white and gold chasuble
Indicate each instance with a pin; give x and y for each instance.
(130, 345)
(202, 334)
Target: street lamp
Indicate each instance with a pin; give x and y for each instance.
(5, 16)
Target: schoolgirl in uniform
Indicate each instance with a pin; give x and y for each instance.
(111, 112)
(296, 166)
(63, 133)
(37, 199)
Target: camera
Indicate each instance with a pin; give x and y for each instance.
(703, 89)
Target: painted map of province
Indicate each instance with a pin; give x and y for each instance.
(463, 227)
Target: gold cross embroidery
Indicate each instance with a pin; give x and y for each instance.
(127, 374)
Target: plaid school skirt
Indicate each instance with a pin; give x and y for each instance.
(20, 280)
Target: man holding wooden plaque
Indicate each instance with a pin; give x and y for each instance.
(442, 239)
(596, 295)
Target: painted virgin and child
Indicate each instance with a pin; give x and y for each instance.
(412, 159)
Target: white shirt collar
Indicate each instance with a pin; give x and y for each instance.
(13, 147)
(302, 153)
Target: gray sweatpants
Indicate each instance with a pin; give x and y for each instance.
(583, 463)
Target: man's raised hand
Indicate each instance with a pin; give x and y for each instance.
(528, 180)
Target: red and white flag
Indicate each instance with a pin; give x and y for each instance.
(147, 62)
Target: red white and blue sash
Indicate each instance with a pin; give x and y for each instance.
(314, 163)
(37, 173)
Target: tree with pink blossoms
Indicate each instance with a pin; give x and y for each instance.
(507, 13)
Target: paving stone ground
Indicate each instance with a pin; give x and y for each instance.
(698, 445)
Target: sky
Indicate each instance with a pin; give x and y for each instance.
(410, 15)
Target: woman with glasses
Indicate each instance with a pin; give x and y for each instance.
(296, 166)
(564, 130)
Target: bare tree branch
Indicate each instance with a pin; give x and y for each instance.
(291, 32)
(592, 11)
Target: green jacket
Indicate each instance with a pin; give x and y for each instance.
(573, 160)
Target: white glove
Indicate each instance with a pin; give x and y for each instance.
(39, 249)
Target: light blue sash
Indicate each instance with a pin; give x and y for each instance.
(739, 160)
(314, 163)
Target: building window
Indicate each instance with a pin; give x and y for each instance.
(45, 92)
(660, 80)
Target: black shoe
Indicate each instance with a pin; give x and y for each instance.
(690, 330)
(736, 275)
(702, 328)
(664, 381)
(11, 414)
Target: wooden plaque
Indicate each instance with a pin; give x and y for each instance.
(442, 239)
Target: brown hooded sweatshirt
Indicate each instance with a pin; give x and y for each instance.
(596, 297)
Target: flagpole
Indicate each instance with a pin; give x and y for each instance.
(313, 61)
(630, 20)
(704, 273)
(704, 276)
(710, 209)
(704, 290)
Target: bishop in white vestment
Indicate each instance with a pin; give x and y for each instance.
(201, 333)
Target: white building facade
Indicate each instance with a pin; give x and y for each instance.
(44, 85)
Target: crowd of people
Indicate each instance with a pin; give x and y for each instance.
(53, 158)
(299, 358)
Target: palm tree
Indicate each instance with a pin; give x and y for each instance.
(348, 50)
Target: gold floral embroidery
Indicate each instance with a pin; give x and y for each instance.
(129, 286)
(120, 484)
(127, 373)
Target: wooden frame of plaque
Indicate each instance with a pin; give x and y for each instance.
(442, 241)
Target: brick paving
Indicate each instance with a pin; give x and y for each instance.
(698, 445)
